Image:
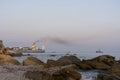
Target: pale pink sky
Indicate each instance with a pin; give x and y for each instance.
(85, 24)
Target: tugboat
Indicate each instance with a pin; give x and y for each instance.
(99, 51)
(33, 49)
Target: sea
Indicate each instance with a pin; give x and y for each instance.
(86, 75)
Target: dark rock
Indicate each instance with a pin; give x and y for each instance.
(32, 61)
(115, 69)
(70, 67)
(66, 74)
(14, 54)
(52, 63)
(1, 44)
(67, 60)
(1, 47)
(84, 66)
(107, 59)
(38, 75)
(103, 62)
(8, 60)
(107, 77)
(97, 65)
(6, 51)
(71, 74)
(59, 76)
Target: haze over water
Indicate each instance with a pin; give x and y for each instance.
(61, 25)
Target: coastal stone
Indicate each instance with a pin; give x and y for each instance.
(57, 68)
(6, 51)
(38, 75)
(84, 66)
(1, 47)
(107, 59)
(53, 63)
(102, 62)
(32, 61)
(115, 69)
(71, 74)
(59, 76)
(107, 77)
(70, 67)
(66, 74)
(7, 60)
(67, 60)
(14, 54)
(11, 53)
(1, 44)
(97, 65)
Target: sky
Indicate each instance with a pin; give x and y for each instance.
(61, 25)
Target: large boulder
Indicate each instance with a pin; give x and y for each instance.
(62, 74)
(53, 63)
(38, 75)
(113, 73)
(107, 77)
(67, 60)
(84, 66)
(1, 47)
(107, 59)
(66, 74)
(103, 62)
(14, 54)
(97, 65)
(59, 76)
(115, 69)
(32, 61)
(7, 60)
(6, 51)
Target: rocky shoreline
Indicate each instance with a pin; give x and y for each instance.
(65, 68)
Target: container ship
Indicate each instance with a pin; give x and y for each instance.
(33, 49)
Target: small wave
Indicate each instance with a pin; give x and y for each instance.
(89, 75)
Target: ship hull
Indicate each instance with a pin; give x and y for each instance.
(30, 51)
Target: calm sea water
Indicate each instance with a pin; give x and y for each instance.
(54, 56)
(86, 75)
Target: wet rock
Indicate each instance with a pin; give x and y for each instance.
(103, 62)
(1, 44)
(8, 60)
(38, 75)
(66, 74)
(1, 47)
(53, 63)
(67, 60)
(84, 66)
(115, 69)
(13, 54)
(107, 59)
(97, 65)
(6, 51)
(107, 77)
(32, 61)
(59, 76)
(70, 67)
(71, 74)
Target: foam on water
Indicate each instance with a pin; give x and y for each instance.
(89, 75)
